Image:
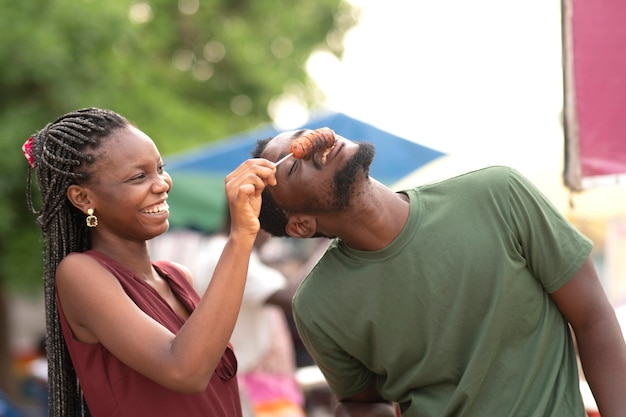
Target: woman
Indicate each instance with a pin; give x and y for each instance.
(130, 334)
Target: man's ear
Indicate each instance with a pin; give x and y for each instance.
(301, 226)
(79, 197)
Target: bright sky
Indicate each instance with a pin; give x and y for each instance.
(446, 71)
(481, 80)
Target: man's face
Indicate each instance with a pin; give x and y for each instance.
(325, 182)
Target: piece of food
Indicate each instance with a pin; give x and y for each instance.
(312, 142)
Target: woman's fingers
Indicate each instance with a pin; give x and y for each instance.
(243, 190)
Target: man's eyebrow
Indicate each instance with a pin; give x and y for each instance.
(298, 133)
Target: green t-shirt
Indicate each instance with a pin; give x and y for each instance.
(453, 318)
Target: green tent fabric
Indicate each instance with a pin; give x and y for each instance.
(197, 202)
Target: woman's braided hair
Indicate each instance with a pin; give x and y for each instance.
(63, 152)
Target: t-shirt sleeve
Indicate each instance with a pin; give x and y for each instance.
(553, 248)
(345, 375)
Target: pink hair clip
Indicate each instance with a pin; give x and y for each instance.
(27, 149)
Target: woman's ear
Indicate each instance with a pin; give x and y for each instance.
(79, 197)
(301, 226)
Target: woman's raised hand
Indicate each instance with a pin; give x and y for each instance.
(243, 191)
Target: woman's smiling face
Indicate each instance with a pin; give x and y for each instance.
(130, 186)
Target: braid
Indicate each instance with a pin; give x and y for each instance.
(62, 158)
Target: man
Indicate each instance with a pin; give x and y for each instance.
(450, 299)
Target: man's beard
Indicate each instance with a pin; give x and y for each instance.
(346, 178)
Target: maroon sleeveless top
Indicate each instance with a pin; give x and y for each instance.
(113, 389)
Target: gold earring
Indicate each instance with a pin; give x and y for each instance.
(92, 221)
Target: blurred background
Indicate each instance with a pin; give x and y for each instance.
(484, 82)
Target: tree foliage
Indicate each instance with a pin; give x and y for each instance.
(186, 72)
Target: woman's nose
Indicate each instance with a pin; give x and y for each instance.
(163, 183)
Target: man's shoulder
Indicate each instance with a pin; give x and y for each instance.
(487, 176)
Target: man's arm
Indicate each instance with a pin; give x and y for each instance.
(584, 304)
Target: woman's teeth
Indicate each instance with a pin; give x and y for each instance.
(157, 209)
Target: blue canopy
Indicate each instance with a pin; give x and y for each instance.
(197, 199)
